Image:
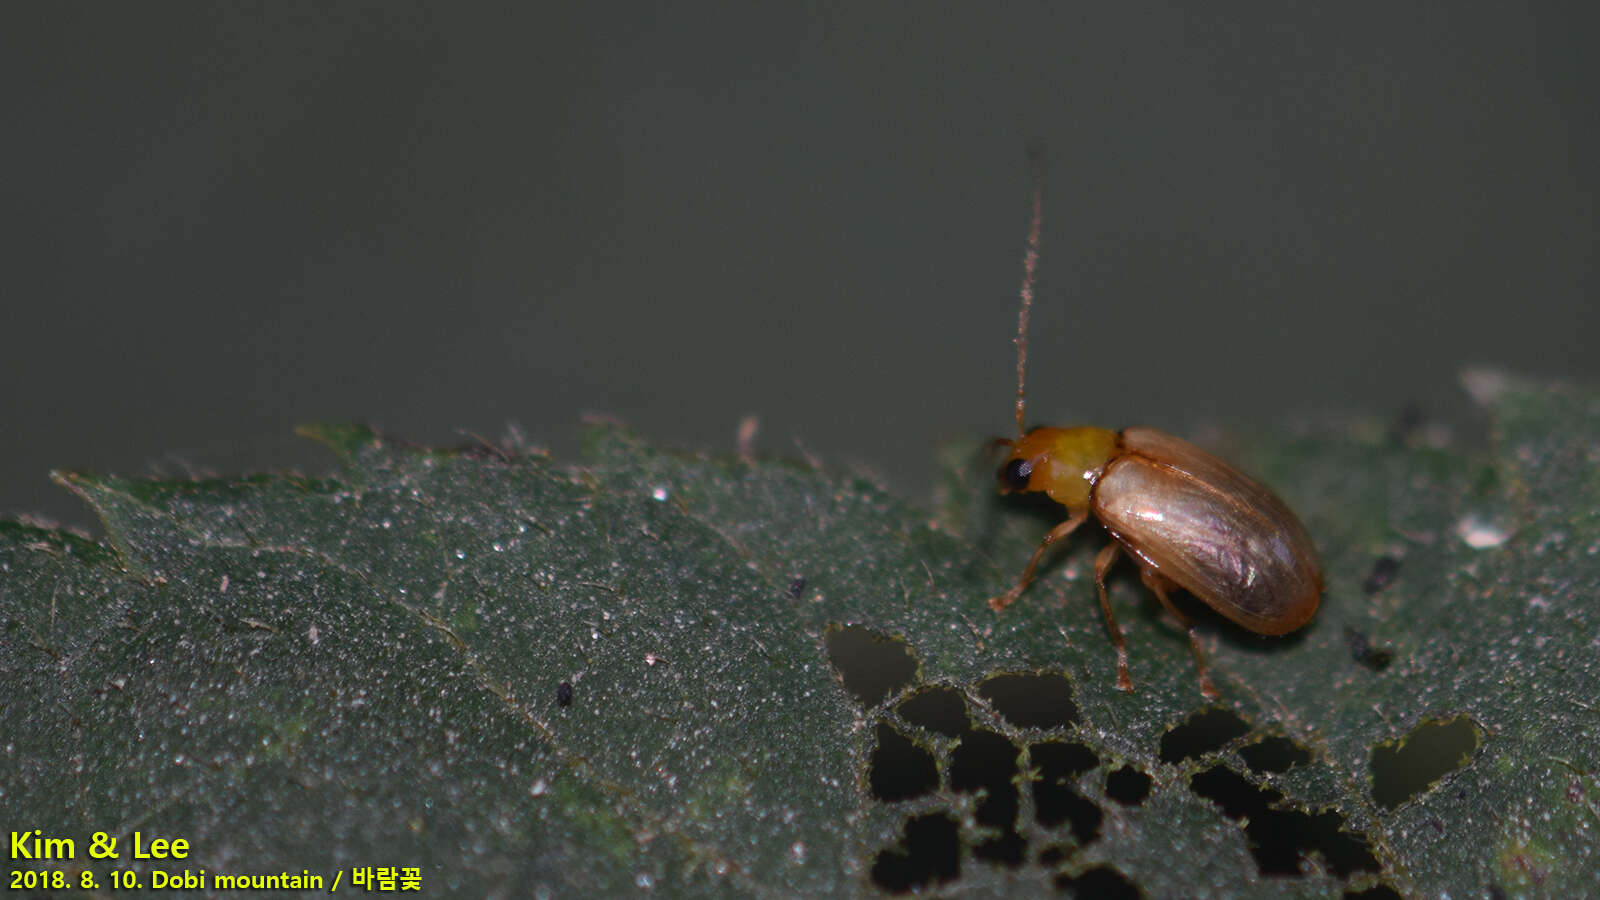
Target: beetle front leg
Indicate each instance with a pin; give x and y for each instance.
(1056, 534)
(1160, 584)
(1102, 564)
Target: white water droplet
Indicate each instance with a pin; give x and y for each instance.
(1480, 534)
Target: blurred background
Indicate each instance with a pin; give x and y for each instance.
(221, 220)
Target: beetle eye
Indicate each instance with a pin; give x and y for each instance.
(1014, 474)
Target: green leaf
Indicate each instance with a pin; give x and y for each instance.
(708, 676)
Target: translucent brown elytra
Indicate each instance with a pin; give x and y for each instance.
(1187, 518)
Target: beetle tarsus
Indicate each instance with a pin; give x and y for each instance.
(1006, 599)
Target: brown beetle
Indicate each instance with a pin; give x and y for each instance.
(1189, 519)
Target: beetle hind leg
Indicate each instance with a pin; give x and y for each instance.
(1103, 562)
(1160, 584)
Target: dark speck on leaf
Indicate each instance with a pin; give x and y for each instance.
(1384, 570)
(1361, 650)
(564, 694)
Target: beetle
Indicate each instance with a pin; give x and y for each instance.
(1188, 519)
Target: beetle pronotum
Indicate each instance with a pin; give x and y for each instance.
(1188, 519)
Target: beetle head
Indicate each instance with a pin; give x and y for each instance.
(1062, 462)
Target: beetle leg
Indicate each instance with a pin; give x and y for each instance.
(1102, 564)
(1056, 534)
(1160, 584)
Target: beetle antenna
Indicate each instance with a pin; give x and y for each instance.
(1030, 270)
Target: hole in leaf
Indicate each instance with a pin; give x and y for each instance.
(1231, 791)
(1376, 892)
(938, 709)
(1204, 732)
(1405, 768)
(931, 852)
(1100, 882)
(1384, 571)
(1280, 839)
(1056, 759)
(1061, 803)
(1342, 851)
(1055, 798)
(873, 666)
(1128, 786)
(985, 763)
(1031, 701)
(1274, 754)
(1361, 650)
(1008, 849)
(900, 769)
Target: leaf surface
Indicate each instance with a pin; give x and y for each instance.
(625, 675)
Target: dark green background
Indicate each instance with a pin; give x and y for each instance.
(222, 220)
